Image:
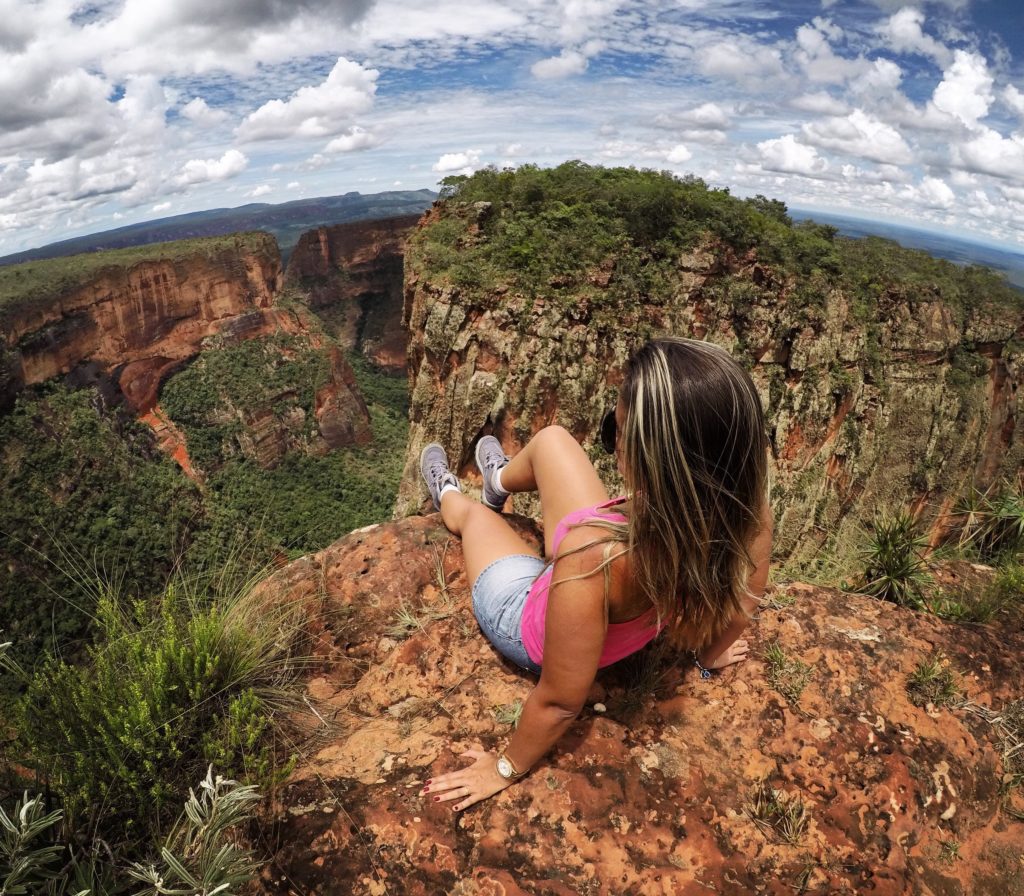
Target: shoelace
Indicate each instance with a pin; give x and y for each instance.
(437, 472)
(493, 460)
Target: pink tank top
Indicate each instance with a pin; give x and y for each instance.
(622, 638)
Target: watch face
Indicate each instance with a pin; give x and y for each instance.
(504, 768)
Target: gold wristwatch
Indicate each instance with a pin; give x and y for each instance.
(506, 769)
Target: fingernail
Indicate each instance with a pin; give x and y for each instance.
(430, 780)
(437, 799)
(424, 790)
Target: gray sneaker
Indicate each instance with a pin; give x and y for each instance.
(434, 468)
(489, 459)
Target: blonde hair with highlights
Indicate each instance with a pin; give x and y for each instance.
(695, 460)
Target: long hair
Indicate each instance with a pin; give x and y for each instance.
(694, 458)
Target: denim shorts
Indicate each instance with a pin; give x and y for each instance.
(498, 597)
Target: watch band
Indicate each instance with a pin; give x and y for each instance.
(503, 760)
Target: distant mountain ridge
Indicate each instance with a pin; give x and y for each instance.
(286, 221)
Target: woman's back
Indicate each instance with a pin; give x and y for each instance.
(632, 620)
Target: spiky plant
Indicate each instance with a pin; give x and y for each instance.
(28, 859)
(994, 520)
(894, 565)
(200, 856)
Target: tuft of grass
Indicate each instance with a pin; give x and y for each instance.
(405, 623)
(788, 676)
(893, 563)
(644, 674)
(934, 682)
(774, 810)
(509, 713)
(1009, 726)
(949, 851)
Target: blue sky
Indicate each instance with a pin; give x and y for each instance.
(116, 111)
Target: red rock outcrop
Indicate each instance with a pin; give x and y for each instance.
(657, 794)
(356, 272)
(138, 323)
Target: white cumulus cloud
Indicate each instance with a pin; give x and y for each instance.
(354, 139)
(966, 89)
(931, 193)
(261, 190)
(786, 155)
(200, 113)
(991, 153)
(321, 111)
(861, 135)
(678, 154)
(903, 32)
(463, 162)
(198, 171)
(1014, 99)
(566, 63)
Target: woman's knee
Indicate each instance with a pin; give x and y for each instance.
(553, 436)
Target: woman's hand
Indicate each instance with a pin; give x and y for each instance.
(734, 653)
(468, 785)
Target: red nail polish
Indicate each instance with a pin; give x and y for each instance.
(437, 799)
(430, 780)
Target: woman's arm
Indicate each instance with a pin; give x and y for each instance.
(728, 647)
(575, 627)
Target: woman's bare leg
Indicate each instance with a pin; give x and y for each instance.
(554, 464)
(486, 537)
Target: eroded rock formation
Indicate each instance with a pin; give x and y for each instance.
(137, 323)
(129, 328)
(355, 272)
(658, 794)
(911, 400)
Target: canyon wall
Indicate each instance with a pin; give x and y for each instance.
(128, 327)
(353, 274)
(137, 323)
(909, 400)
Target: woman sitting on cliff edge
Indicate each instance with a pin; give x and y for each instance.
(686, 548)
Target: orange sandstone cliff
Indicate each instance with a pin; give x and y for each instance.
(132, 325)
(354, 272)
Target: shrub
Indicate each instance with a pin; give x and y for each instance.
(894, 564)
(28, 862)
(201, 675)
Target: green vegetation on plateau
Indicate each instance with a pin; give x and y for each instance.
(39, 283)
(549, 230)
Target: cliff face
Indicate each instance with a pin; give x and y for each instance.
(354, 273)
(661, 793)
(135, 324)
(867, 408)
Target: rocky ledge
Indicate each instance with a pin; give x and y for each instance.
(808, 768)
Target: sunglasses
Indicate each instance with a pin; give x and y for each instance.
(609, 431)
